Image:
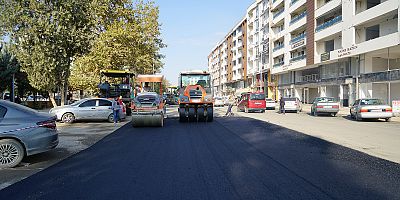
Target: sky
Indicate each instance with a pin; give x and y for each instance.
(192, 28)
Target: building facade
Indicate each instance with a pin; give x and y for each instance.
(311, 48)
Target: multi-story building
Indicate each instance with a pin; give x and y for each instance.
(310, 48)
(227, 62)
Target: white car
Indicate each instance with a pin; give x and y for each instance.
(270, 104)
(219, 101)
(87, 109)
(292, 104)
(371, 109)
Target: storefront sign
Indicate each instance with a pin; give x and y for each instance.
(346, 51)
(396, 107)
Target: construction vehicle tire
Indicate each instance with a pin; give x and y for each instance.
(192, 114)
(182, 115)
(210, 114)
(200, 114)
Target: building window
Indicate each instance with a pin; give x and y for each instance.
(372, 32)
(329, 46)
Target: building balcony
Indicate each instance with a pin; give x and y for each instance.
(278, 47)
(329, 23)
(327, 7)
(279, 64)
(298, 17)
(392, 75)
(297, 38)
(293, 2)
(298, 58)
(277, 13)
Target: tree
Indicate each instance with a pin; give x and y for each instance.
(8, 66)
(131, 39)
(48, 35)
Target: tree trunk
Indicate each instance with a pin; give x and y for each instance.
(51, 97)
(64, 92)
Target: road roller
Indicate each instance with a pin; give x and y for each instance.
(195, 97)
(148, 107)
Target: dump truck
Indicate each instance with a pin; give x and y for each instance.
(148, 106)
(195, 97)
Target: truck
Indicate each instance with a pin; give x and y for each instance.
(195, 96)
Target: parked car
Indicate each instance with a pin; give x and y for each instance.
(249, 102)
(270, 104)
(325, 105)
(87, 109)
(293, 104)
(370, 109)
(219, 102)
(24, 132)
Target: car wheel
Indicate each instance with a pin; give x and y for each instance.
(11, 153)
(68, 118)
(387, 119)
(334, 114)
(111, 118)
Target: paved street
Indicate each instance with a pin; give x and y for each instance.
(73, 138)
(377, 138)
(219, 160)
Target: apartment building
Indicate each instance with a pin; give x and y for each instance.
(227, 61)
(310, 48)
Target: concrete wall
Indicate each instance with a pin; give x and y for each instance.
(395, 91)
(365, 90)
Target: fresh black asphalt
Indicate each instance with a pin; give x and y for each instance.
(230, 158)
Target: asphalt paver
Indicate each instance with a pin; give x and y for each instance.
(230, 158)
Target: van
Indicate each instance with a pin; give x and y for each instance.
(252, 102)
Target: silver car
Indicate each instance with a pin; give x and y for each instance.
(370, 109)
(24, 132)
(87, 109)
(325, 105)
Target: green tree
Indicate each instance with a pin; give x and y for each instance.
(131, 38)
(8, 66)
(48, 35)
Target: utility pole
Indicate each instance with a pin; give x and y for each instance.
(12, 96)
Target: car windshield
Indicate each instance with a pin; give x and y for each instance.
(326, 99)
(257, 96)
(195, 79)
(371, 102)
(289, 99)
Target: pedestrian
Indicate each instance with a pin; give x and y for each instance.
(282, 105)
(115, 108)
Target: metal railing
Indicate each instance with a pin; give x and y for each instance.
(293, 2)
(311, 78)
(297, 58)
(392, 75)
(297, 38)
(298, 17)
(276, 14)
(329, 23)
(278, 64)
(278, 47)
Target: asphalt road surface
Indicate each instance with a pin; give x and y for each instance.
(230, 158)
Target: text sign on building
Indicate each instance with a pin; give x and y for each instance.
(396, 107)
(346, 51)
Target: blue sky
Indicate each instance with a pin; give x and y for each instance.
(192, 28)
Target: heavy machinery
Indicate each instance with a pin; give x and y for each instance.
(116, 83)
(148, 107)
(195, 97)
